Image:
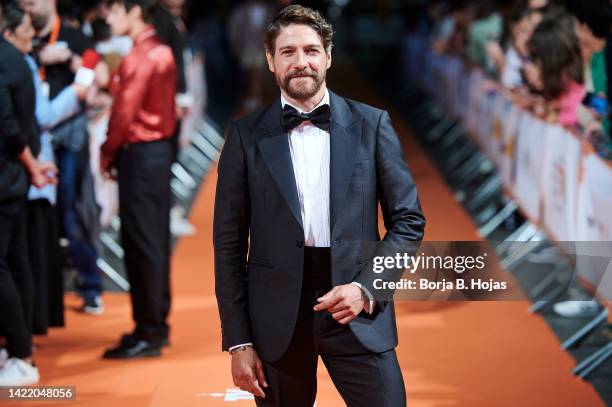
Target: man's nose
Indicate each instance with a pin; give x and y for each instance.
(300, 60)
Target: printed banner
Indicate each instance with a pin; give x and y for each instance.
(540, 163)
(560, 186)
(529, 165)
(594, 211)
(510, 118)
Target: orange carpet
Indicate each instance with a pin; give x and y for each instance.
(451, 354)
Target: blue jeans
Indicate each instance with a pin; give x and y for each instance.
(83, 254)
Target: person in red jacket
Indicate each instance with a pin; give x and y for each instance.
(140, 150)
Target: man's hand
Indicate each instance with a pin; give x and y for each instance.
(247, 372)
(43, 174)
(106, 167)
(344, 302)
(54, 54)
(80, 90)
(76, 61)
(181, 112)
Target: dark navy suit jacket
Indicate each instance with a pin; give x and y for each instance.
(258, 235)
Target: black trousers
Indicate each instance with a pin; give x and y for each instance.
(15, 279)
(363, 378)
(144, 209)
(45, 262)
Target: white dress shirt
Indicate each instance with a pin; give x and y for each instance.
(309, 148)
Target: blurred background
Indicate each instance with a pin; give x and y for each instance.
(503, 114)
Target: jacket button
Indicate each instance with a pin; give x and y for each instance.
(299, 243)
(336, 242)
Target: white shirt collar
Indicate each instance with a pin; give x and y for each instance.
(324, 101)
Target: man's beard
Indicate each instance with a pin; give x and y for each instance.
(39, 21)
(301, 91)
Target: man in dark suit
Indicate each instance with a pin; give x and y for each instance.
(298, 194)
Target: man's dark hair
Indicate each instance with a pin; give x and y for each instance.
(296, 14)
(100, 30)
(552, 11)
(12, 17)
(147, 7)
(596, 14)
(555, 46)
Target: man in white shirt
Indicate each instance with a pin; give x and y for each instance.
(298, 190)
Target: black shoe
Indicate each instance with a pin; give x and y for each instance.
(131, 337)
(132, 348)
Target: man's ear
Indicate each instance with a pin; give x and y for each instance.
(135, 13)
(270, 59)
(329, 59)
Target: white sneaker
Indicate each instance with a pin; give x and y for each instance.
(577, 309)
(181, 227)
(93, 306)
(3, 356)
(16, 372)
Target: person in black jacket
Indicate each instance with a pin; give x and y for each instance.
(171, 30)
(19, 144)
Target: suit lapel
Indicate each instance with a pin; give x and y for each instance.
(273, 143)
(345, 140)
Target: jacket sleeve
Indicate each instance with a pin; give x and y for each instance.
(13, 139)
(401, 209)
(50, 113)
(230, 238)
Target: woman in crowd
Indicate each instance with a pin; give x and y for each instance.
(19, 145)
(555, 70)
(16, 366)
(522, 24)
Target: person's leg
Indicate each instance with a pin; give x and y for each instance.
(363, 378)
(19, 264)
(83, 254)
(128, 213)
(85, 260)
(12, 319)
(55, 277)
(144, 179)
(16, 298)
(165, 200)
(37, 255)
(292, 381)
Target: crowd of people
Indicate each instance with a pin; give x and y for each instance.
(551, 57)
(61, 64)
